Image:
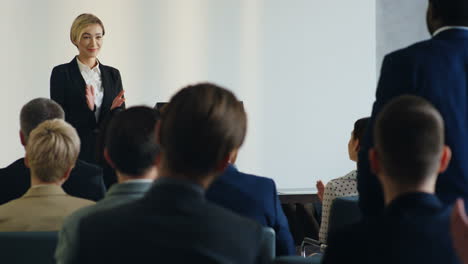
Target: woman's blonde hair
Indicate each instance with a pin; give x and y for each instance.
(52, 149)
(80, 23)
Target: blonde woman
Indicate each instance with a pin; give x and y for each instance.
(87, 90)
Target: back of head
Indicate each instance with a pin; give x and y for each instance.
(37, 111)
(452, 12)
(409, 139)
(52, 149)
(131, 140)
(360, 127)
(200, 127)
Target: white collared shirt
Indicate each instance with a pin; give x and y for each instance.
(447, 28)
(93, 77)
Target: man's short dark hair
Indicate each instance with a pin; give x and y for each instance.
(360, 127)
(200, 126)
(409, 138)
(131, 140)
(452, 12)
(37, 111)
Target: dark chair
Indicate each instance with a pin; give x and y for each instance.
(28, 247)
(343, 211)
(268, 247)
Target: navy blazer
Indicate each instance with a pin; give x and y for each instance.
(256, 198)
(414, 228)
(85, 181)
(435, 69)
(172, 223)
(67, 87)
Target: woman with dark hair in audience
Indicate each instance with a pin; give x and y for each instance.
(86, 89)
(343, 186)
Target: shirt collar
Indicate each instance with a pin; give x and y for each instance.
(187, 184)
(84, 67)
(137, 180)
(448, 28)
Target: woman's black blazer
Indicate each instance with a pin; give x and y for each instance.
(67, 87)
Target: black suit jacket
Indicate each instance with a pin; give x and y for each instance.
(67, 87)
(85, 181)
(173, 223)
(414, 228)
(435, 69)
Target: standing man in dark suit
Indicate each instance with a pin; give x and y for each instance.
(256, 198)
(409, 154)
(174, 223)
(131, 148)
(435, 69)
(85, 180)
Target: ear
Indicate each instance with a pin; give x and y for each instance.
(374, 161)
(233, 156)
(357, 146)
(22, 138)
(445, 158)
(67, 175)
(223, 164)
(26, 162)
(108, 159)
(157, 161)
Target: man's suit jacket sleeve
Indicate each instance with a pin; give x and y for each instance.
(396, 78)
(284, 241)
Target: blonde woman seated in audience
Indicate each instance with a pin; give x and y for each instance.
(51, 153)
(343, 186)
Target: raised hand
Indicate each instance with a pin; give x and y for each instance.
(118, 100)
(459, 230)
(320, 190)
(90, 96)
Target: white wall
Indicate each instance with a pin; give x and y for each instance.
(400, 23)
(304, 68)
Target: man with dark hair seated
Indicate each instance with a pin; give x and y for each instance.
(85, 180)
(409, 154)
(199, 130)
(131, 149)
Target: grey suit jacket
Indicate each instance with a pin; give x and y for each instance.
(117, 195)
(41, 208)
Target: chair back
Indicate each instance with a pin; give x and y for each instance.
(317, 259)
(268, 246)
(343, 211)
(28, 247)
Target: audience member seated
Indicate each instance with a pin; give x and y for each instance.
(85, 179)
(409, 153)
(51, 153)
(200, 129)
(459, 230)
(131, 149)
(343, 186)
(256, 198)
